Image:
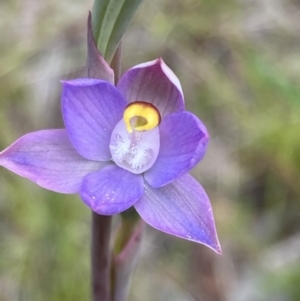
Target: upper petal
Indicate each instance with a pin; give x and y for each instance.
(111, 190)
(183, 142)
(153, 82)
(181, 209)
(48, 159)
(91, 109)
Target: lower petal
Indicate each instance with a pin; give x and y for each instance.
(48, 159)
(111, 190)
(181, 209)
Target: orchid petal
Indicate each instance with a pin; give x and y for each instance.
(112, 190)
(183, 142)
(181, 209)
(153, 82)
(91, 109)
(48, 159)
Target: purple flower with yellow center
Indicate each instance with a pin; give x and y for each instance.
(130, 145)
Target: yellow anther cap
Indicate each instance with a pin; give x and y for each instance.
(141, 116)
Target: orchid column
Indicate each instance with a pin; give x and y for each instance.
(127, 147)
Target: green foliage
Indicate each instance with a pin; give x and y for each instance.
(110, 19)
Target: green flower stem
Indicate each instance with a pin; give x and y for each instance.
(126, 252)
(100, 257)
(129, 220)
(116, 63)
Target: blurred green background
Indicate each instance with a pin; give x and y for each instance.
(239, 65)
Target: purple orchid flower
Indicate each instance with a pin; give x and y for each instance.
(130, 145)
